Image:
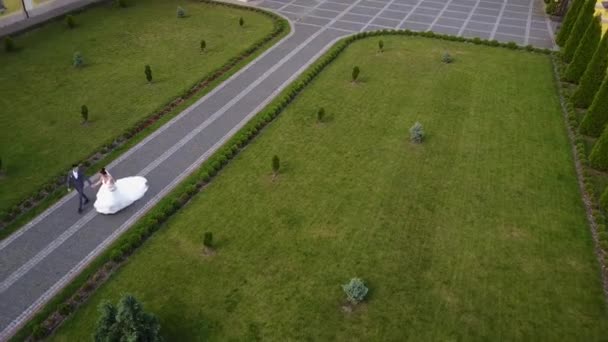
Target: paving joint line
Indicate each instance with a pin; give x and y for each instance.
(377, 14)
(468, 20)
(502, 9)
(409, 14)
(439, 15)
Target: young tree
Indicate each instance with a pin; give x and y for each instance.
(148, 73)
(241, 22)
(84, 112)
(568, 23)
(9, 44)
(416, 133)
(276, 165)
(181, 13)
(77, 59)
(381, 46)
(69, 21)
(127, 322)
(203, 45)
(597, 115)
(355, 73)
(593, 76)
(584, 51)
(321, 114)
(585, 16)
(598, 159)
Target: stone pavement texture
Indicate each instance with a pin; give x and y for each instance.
(43, 256)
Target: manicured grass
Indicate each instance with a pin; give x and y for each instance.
(40, 126)
(477, 234)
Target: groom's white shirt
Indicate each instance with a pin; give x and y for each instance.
(75, 173)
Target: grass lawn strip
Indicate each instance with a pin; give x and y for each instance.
(476, 234)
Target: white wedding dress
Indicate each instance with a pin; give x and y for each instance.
(111, 198)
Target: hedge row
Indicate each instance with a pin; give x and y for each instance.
(569, 20)
(57, 182)
(154, 219)
(592, 201)
(593, 76)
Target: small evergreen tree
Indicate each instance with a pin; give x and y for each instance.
(181, 13)
(77, 60)
(84, 112)
(241, 22)
(208, 240)
(9, 44)
(447, 58)
(568, 22)
(148, 73)
(584, 51)
(203, 45)
(355, 73)
(592, 78)
(583, 20)
(276, 165)
(321, 114)
(69, 21)
(127, 322)
(381, 46)
(416, 133)
(598, 158)
(597, 115)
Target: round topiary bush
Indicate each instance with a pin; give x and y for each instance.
(181, 13)
(355, 290)
(447, 58)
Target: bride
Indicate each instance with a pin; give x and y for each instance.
(114, 196)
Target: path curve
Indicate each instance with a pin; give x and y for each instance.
(38, 260)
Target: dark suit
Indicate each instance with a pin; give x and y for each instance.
(78, 184)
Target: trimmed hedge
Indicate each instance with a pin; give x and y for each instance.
(604, 204)
(583, 21)
(593, 76)
(596, 117)
(124, 246)
(598, 158)
(584, 52)
(568, 23)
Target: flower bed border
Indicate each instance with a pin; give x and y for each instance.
(12, 213)
(83, 286)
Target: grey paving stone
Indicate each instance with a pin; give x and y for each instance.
(364, 10)
(473, 34)
(357, 18)
(540, 34)
(400, 7)
(306, 3)
(315, 21)
(483, 18)
(491, 5)
(333, 6)
(296, 9)
(420, 18)
(509, 38)
(459, 8)
(407, 2)
(271, 4)
(450, 22)
(414, 26)
(386, 22)
(324, 13)
(435, 5)
(455, 15)
(392, 15)
(373, 4)
(477, 26)
(427, 11)
(348, 26)
(513, 22)
(517, 31)
(371, 28)
(517, 9)
(542, 43)
(515, 15)
(488, 11)
(541, 25)
(292, 16)
(445, 29)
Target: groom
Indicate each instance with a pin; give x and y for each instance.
(76, 179)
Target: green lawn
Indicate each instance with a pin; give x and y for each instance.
(40, 124)
(477, 234)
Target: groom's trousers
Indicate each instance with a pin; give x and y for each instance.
(82, 199)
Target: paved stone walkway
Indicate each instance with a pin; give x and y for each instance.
(43, 256)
